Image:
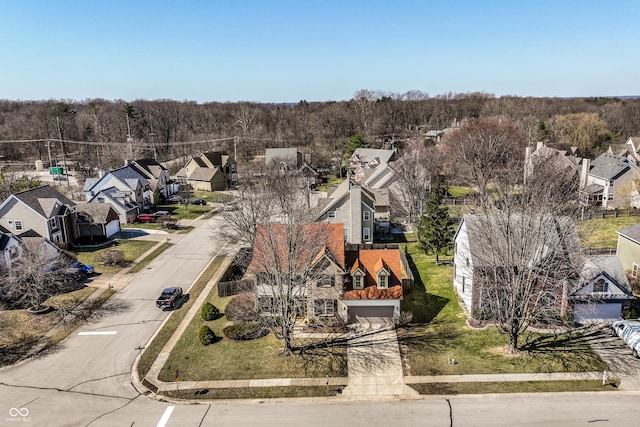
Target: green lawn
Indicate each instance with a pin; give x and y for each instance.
(601, 232)
(132, 250)
(439, 332)
(181, 211)
(331, 181)
(515, 387)
(213, 196)
(229, 360)
(456, 191)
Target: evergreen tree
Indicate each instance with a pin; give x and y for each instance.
(435, 230)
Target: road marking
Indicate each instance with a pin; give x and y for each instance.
(165, 416)
(98, 333)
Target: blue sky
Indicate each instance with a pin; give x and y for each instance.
(286, 51)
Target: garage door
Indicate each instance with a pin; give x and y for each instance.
(585, 313)
(113, 227)
(370, 312)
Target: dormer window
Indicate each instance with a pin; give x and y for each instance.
(383, 280)
(358, 280)
(600, 286)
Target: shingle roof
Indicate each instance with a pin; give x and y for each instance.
(130, 176)
(42, 199)
(632, 232)
(365, 155)
(215, 157)
(608, 166)
(371, 261)
(98, 211)
(203, 174)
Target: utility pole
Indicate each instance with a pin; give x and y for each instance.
(64, 159)
(235, 148)
(153, 139)
(129, 139)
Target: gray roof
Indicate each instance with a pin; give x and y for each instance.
(610, 268)
(594, 189)
(89, 183)
(609, 166)
(150, 166)
(632, 232)
(98, 211)
(115, 194)
(129, 176)
(203, 174)
(43, 199)
(367, 154)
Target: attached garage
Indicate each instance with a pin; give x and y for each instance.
(112, 228)
(368, 311)
(357, 310)
(596, 312)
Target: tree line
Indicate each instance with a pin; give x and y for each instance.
(160, 128)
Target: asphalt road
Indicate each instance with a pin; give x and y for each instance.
(86, 380)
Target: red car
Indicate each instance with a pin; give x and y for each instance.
(145, 218)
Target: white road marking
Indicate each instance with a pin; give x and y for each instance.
(98, 333)
(165, 416)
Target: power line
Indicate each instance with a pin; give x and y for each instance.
(115, 144)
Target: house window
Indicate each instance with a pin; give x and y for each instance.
(467, 261)
(52, 223)
(357, 280)
(346, 234)
(366, 233)
(366, 215)
(13, 252)
(233, 168)
(610, 196)
(383, 280)
(266, 304)
(18, 225)
(325, 307)
(326, 280)
(463, 283)
(331, 214)
(611, 183)
(634, 271)
(600, 286)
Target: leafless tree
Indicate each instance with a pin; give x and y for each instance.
(529, 258)
(38, 274)
(484, 150)
(415, 172)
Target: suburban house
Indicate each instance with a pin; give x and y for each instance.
(610, 181)
(596, 291)
(351, 205)
(10, 248)
(628, 249)
(287, 159)
(124, 188)
(634, 147)
(96, 222)
(347, 281)
(370, 167)
(42, 209)
(155, 173)
(603, 294)
(210, 171)
(561, 155)
(376, 281)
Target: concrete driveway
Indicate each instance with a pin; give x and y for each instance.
(374, 364)
(613, 351)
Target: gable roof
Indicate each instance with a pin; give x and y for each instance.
(43, 200)
(609, 269)
(365, 155)
(149, 167)
(371, 261)
(203, 174)
(129, 176)
(632, 233)
(609, 166)
(98, 211)
(269, 235)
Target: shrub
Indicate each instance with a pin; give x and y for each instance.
(112, 257)
(209, 311)
(245, 331)
(206, 335)
(242, 308)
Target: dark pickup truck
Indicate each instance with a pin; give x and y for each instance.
(169, 297)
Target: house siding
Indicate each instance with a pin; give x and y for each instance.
(628, 252)
(463, 273)
(15, 210)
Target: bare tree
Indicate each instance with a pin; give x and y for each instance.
(527, 255)
(37, 275)
(483, 150)
(415, 172)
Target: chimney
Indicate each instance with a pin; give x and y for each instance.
(586, 166)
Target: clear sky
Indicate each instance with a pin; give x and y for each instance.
(286, 51)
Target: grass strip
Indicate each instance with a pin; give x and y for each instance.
(256, 392)
(153, 255)
(151, 352)
(515, 387)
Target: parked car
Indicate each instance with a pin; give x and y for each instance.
(622, 328)
(143, 217)
(160, 214)
(169, 297)
(174, 199)
(199, 202)
(83, 268)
